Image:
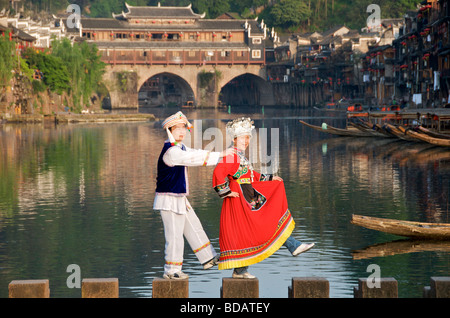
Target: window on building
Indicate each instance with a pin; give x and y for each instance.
(256, 41)
(256, 54)
(120, 35)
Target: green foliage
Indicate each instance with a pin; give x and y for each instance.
(8, 59)
(290, 13)
(123, 79)
(212, 8)
(24, 69)
(38, 86)
(74, 69)
(205, 78)
(53, 68)
(85, 70)
(104, 8)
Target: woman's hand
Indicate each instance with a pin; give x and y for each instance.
(277, 178)
(233, 195)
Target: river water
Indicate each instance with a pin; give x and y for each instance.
(83, 194)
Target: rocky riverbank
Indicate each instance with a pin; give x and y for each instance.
(76, 118)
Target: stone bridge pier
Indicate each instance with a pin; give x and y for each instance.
(125, 81)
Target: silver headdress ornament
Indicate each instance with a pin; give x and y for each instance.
(240, 127)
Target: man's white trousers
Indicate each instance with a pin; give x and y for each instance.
(188, 225)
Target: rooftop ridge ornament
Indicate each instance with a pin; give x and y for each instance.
(158, 12)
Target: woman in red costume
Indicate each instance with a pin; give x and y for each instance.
(255, 219)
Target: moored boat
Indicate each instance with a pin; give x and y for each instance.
(394, 130)
(432, 133)
(355, 108)
(333, 107)
(425, 137)
(188, 104)
(370, 129)
(422, 230)
(338, 131)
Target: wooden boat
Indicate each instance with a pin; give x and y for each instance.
(355, 108)
(432, 133)
(370, 129)
(188, 104)
(332, 107)
(418, 230)
(424, 137)
(398, 133)
(338, 131)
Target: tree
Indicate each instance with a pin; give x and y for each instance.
(80, 80)
(290, 13)
(8, 59)
(54, 69)
(86, 68)
(213, 8)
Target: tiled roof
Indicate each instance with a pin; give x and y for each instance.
(199, 25)
(17, 33)
(160, 12)
(102, 23)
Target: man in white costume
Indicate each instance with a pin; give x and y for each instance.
(172, 187)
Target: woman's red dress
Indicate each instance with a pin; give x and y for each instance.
(250, 230)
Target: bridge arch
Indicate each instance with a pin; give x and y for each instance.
(167, 89)
(186, 76)
(246, 90)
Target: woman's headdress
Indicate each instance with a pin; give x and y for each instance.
(240, 127)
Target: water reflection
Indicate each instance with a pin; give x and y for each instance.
(83, 194)
(401, 247)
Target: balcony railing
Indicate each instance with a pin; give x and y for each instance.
(170, 57)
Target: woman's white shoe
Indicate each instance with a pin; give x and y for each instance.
(243, 275)
(303, 248)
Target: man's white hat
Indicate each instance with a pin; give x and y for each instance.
(175, 119)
